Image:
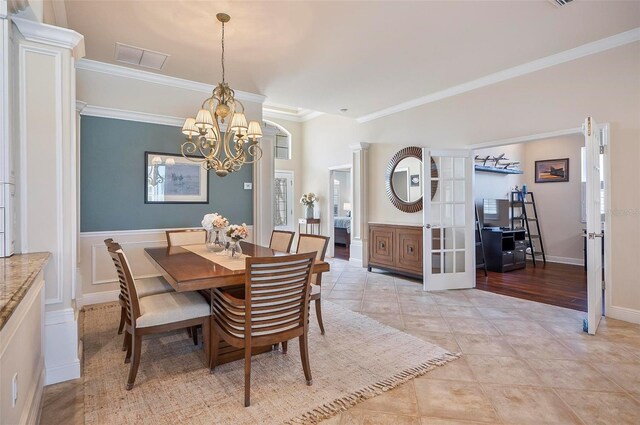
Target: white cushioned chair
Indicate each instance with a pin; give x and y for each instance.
(155, 313)
(281, 240)
(317, 244)
(186, 237)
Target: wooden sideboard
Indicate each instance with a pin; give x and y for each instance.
(396, 248)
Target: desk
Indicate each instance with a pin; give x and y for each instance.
(309, 222)
(188, 271)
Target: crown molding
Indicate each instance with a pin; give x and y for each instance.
(51, 35)
(509, 73)
(165, 80)
(281, 112)
(360, 146)
(121, 114)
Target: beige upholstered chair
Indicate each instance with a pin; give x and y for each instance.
(274, 309)
(281, 240)
(145, 287)
(154, 313)
(317, 244)
(186, 237)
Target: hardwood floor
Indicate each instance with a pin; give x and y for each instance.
(562, 285)
(341, 252)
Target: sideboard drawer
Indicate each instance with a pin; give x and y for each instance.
(381, 246)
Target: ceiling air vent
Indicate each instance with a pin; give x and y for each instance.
(560, 3)
(140, 57)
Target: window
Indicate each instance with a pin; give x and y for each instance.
(336, 196)
(583, 184)
(282, 146)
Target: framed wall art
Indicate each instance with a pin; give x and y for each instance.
(173, 179)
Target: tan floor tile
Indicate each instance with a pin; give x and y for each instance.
(336, 294)
(503, 370)
(436, 421)
(380, 296)
(362, 417)
(601, 351)
(627, 375)
(571, 375)
(451, 298)
(353, 305)
(602, 408)
(453, 400)
(526, 405)
(492, 302)
(484, 344)
(415, 297)
(500, 313)
(457, 370)
(63, 403)
(520, 328)
(459, 311)
(380, 306)
(442, 339)
(564, 330)
(344, 286)
(471, 326)
(569, 316)
(427, 324)
(539, 348)
(401, 401)
(419, 308)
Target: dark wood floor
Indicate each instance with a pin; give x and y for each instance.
(341, 252)
(557, 284)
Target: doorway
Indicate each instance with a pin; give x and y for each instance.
(340, 206)
(552, 170)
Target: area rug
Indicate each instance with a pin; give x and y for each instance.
(357, 359)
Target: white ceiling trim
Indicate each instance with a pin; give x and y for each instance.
(516, 71)
(530, 138)
(152, 77)
(51, 35)
(287, 113)
(121, 114)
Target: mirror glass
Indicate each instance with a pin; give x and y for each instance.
(407, 179)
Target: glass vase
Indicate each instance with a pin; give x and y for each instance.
(309, 211)
(235, 250)
(216, 241)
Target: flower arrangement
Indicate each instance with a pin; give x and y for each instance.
(214, 221)
(238, 232)
(308, 199)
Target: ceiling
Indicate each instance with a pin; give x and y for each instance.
(364, 56)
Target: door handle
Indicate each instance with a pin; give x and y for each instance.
(596, 235)
(427, 226)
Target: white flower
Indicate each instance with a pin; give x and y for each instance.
(215, 220)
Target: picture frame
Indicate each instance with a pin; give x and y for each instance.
(415, 180)
(174, 179)
(552, 170)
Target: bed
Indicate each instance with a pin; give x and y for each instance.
(342, 230)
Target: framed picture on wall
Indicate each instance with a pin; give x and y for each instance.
(552, 170)
(173, 179)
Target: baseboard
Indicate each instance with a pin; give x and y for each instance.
(31, 415)
(100, 297)
(565, 260)
(356, 261)
(357, 249)
(61, 346)
(623, 313)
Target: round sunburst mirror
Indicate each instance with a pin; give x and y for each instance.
(404, 179)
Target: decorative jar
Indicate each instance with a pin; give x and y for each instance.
(216, 241)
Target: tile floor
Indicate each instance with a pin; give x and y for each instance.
(523, 362)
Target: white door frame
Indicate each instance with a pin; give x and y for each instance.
(290, 175)
(607, 184)
(330, 215)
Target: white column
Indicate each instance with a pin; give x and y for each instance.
(48, 181)
(359, 226)
(263, 181)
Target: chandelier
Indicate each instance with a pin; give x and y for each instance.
(208, 136)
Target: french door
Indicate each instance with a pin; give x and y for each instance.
(448, 220)
(594, 142)
(283, 201)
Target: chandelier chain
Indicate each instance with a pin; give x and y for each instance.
(223, 52)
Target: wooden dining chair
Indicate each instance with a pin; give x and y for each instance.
(281, 240)
(146, 286)
(186, 237)
(317, 244)
(155, 313)
(274, 309)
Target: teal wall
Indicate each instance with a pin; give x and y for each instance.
(112, 180)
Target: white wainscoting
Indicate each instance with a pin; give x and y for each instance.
(98, 276)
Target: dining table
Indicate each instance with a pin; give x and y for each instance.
(194, 268)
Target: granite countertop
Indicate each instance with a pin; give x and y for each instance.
(17, 274)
